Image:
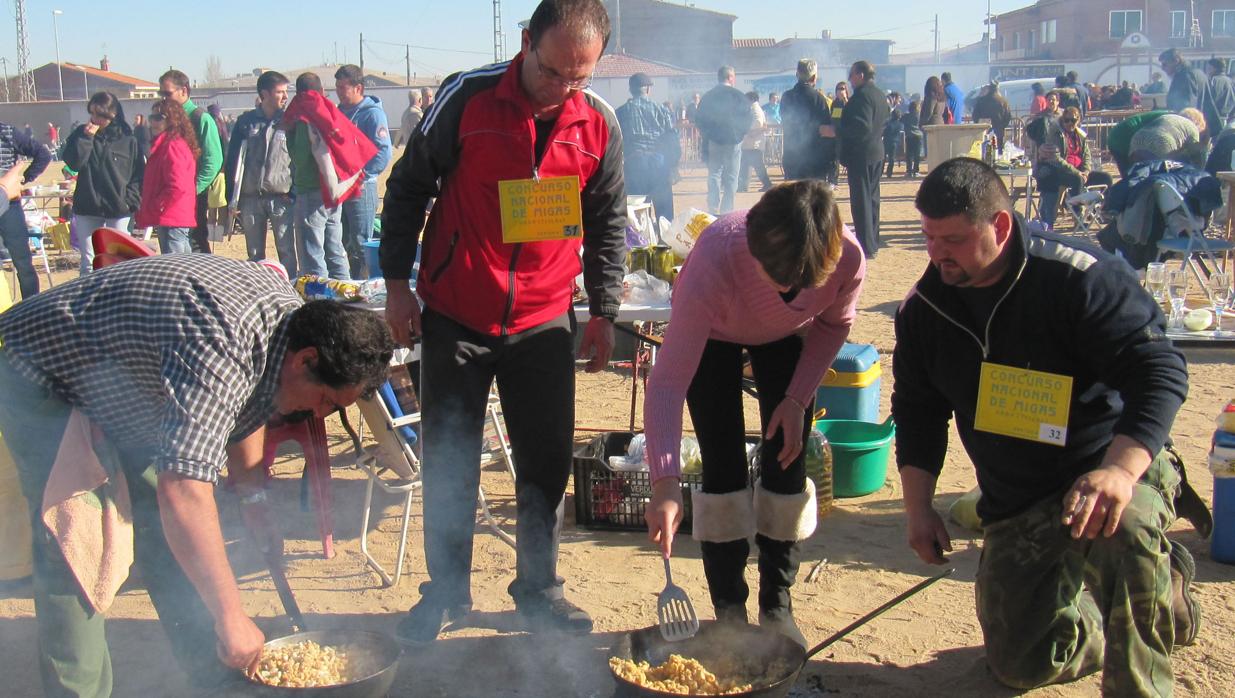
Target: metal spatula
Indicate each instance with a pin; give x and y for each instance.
(674, 611)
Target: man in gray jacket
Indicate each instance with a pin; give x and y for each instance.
(1187, 83)
(259, 174)
(1219, 103)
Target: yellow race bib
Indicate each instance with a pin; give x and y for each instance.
(540, 209)
(1024, 404)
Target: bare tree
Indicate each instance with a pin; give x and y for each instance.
(214, 69)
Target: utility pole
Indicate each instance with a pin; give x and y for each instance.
(59, 66)
(499, 40)
(26, 90)
(4, 62)
(407, 59)
(936, 39)
(362, 53)
(988, 31)
(618, 27)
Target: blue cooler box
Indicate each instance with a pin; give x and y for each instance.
(850, 388)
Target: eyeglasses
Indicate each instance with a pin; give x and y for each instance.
(556, 78)
(1067, 121)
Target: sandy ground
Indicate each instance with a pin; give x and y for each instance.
(930, 645)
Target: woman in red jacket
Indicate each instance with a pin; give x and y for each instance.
(169, 190)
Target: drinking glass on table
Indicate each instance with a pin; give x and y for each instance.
(1220, 296)
(1155, 280)
(1177, 292)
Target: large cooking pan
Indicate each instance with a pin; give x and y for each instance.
(381, 649)
(374, 649)
(762, 651)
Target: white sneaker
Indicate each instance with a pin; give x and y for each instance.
(783, 623)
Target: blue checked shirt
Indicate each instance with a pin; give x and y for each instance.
(643, 123)
(177, 355)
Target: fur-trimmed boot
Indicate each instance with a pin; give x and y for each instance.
(723, 524)
(781, 521)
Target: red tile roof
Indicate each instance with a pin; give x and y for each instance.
(754, 43)
(110, 75)
(622, 65)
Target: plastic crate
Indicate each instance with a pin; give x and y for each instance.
(615, 500)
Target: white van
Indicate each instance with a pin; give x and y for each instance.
(1019, 94)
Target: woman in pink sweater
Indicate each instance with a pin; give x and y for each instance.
(169, 190)
(782, 282)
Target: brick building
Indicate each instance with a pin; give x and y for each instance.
(1076, 29)
(82, 81)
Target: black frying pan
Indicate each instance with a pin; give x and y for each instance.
(758, 648)
(376, 649)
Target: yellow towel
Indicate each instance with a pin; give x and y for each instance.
(86, 507)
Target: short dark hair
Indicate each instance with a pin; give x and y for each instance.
(946, 77)
(580, 18)
(753, 95)
(309, 82)
(1038, 89)
(1061, 81)
(865, 69)
(1171, 55)
(795, 233)
(1073, 76)
(270, 80)
(104, 104)
(1218, 64)
(351, 74)
(963, 186)
(353, 344)
(176, 78)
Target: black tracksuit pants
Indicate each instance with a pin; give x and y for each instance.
(535, 374)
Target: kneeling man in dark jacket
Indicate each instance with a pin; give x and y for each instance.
(1063, 385)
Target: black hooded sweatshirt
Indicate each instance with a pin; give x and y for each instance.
(109, 169)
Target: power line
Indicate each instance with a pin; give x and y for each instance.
(885, 31)
(425, 48)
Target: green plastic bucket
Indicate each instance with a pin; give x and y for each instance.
(859, 454)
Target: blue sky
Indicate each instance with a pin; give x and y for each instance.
(144, 38)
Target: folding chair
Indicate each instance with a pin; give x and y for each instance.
(38, 251)
(395, 468)
(1185, 235)
(1086, 209)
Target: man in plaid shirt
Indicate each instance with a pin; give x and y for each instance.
(180, 360)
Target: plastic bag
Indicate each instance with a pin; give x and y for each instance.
(644, 289)
(320, 288)
(637, 449)
(374, 291)
(691, 456)
(964, 510)
(636, 238)
(682, 233)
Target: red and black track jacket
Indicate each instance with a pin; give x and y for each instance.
(479, 132)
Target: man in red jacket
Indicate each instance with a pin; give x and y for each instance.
(526, 166)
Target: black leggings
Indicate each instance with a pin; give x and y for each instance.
(715, 402)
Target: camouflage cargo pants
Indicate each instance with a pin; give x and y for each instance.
(1054, 609)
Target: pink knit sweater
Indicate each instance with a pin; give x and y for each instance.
(720, 295)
